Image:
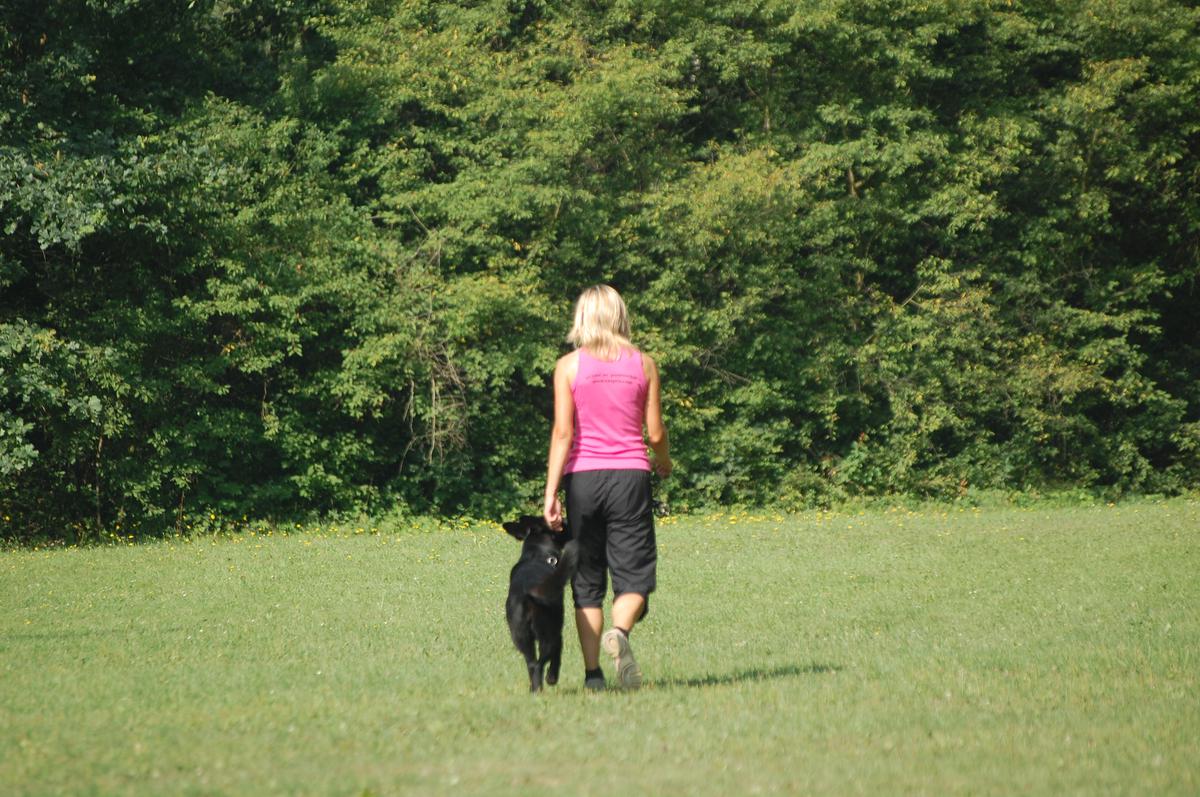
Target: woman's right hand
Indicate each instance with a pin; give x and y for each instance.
(552, 513)
(662, 466)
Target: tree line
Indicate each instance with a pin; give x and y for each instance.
(279, 258)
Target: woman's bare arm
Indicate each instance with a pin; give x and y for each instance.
(656, 431)
(561, 434)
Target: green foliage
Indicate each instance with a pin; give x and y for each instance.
(60, 402)
(319, 257)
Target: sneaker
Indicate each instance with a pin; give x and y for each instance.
(616, 644)
(595, 683)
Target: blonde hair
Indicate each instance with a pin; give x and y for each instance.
(601, 321)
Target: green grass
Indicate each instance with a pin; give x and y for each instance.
(999, 651)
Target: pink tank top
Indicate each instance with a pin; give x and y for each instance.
(610, 407)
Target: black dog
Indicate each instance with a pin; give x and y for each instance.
(535, 595)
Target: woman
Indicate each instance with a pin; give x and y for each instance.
(604, 393)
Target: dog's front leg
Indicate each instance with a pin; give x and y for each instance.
(521, 627)
(525, 644)
(548, 629)
(535, 676)
(555, 660)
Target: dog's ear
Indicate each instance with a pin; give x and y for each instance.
(534, 523)
(517, 528)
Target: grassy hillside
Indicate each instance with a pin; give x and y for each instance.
(1041, 650)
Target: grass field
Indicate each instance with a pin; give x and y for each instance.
(1006, 651)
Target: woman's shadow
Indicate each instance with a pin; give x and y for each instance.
(755, 674)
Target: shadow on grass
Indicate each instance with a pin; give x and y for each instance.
(742, 676)
(61, 634)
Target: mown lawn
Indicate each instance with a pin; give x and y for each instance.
(1007, 651)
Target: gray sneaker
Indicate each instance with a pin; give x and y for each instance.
(595, 683)
(616, 644)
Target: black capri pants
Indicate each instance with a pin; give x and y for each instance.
(612, 517)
